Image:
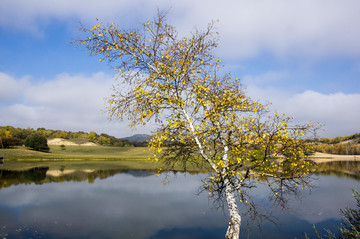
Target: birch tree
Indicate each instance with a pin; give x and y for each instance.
(203, 115)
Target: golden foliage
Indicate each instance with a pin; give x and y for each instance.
(203, 114)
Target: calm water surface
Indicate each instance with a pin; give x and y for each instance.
(135, 204)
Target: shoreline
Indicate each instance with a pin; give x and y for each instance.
(324, 158)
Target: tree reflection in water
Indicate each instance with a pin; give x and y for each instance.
(40, 175)
(123, 203)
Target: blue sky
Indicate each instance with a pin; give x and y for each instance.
(303, 56)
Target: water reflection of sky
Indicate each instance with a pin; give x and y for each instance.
(125, 206)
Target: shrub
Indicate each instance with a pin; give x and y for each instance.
(37, 142)
(351, 220)
(9, 142)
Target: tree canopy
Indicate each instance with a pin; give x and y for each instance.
(37, 142)
(203, 114)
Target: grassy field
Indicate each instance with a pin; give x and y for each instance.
(99, 158)
(79, 157)
(76, 153)
(84, 157)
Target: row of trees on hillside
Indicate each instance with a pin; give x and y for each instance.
(105, 139)
(33, 141)
(12, 136)
(340, 139)
(20, 133)
(343, 145)
(343, 149)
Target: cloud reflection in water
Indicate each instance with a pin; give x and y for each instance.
(138, 205)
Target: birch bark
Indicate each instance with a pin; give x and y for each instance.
(233, 231)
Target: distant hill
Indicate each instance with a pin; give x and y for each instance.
(347, 145)
(138, 138)
(16, 136)
(352, 139)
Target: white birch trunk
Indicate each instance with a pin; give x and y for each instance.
(233, 231)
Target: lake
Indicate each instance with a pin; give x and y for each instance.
(123, 203)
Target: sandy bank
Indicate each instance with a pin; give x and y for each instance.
(321, 157)
(59, 141)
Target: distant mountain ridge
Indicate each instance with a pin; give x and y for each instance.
(138, 138)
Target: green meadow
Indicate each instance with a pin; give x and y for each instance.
(76, 153)
(79, 157)
(85, 158)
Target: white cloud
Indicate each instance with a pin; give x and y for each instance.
(338, 112)
(76, 102)
(71, 92)
(67, 102)
(19, 113)
(310, 28)
(315, 29)
(11, 87)
(32, 15)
